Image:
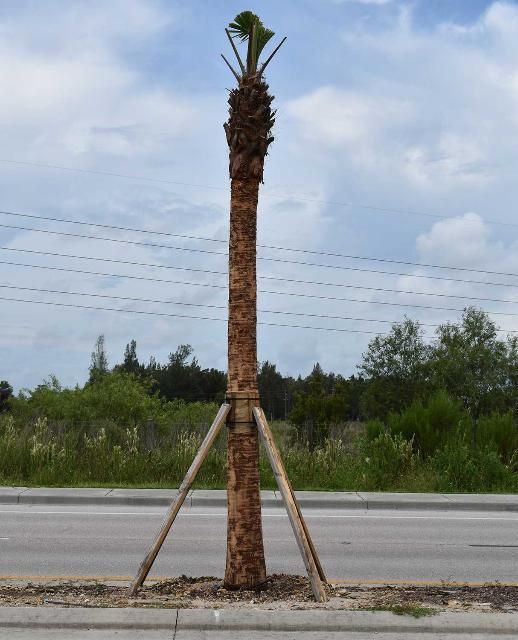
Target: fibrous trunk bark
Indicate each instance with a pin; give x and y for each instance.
(245, 565)
(242, 318)
(248, 137)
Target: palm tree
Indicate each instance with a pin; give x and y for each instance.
(248, 135)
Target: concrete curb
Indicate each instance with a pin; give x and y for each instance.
(256, 620)
(270, 499)
(86, 618)
(333, 621)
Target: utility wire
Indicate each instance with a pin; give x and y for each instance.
(129, 262)
(274, 278)
(269, 259)
(351, 205)
(112, 174)
(261, 246)
(118, 240)
(264, 291)
(118, 275)
(214, 306)
(177, 315)
(365, 301)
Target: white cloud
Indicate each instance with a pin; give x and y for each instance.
(452, 158)
(73, 98)
(420, 119)
(500, 19)
(335, 117)
(81, 105)
(435, 111)
(82, 26)
(390, 115)
(462, 241)
(465, 242)
(373, 2)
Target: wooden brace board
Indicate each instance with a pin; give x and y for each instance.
(183, 490)
(300, 530)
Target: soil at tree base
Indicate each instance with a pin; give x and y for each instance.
(280, 592)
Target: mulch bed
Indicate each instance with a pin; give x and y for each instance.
(280, 592)
(490, 597)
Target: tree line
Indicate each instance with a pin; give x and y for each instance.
(419, 414)
(320, 396)
(469, 360)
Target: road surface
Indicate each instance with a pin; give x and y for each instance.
(124, 634)
(354, 545)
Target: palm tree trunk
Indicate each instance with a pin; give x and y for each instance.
(245, 565)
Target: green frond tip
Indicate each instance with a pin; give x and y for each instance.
(242, 25)
(241, 28)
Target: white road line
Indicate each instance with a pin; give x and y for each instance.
(265, 515)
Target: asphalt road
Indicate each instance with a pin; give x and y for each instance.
(37, 540)
(125, 634)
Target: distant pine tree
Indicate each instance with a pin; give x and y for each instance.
(6, 391)
(99, 360)
(131, 363)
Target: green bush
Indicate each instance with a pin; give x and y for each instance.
(386, 460)
(43, 442)
(14, 450)
(498, 433)
(461, 468)
(118, 399)
(373, 428)
(111, 431)
(430, 426)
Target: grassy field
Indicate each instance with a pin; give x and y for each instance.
(42, 454)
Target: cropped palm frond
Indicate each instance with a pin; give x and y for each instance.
(242, 25)
(241, 28)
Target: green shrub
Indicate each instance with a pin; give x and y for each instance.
(117, 400)
(37, 452)
(386, 460)
(461, 468)
(373, 428)
(14, 450)
(498, 433)
(328, 466)
(430, 425)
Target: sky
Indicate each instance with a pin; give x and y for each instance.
(395, 139)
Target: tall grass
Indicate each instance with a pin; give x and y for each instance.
(40, 454)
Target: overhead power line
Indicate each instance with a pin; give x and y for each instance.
(127, 262)
(265, 258)
(263, 291)
(114, 275)
(262, 246)
(112, 174)
(382, 302)
(283, 196)
(179, 315)
(215, 306)
(117, 240)
(273, 278)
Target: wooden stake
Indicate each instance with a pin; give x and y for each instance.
(308, 536)
(183, 490)
(307, 550)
